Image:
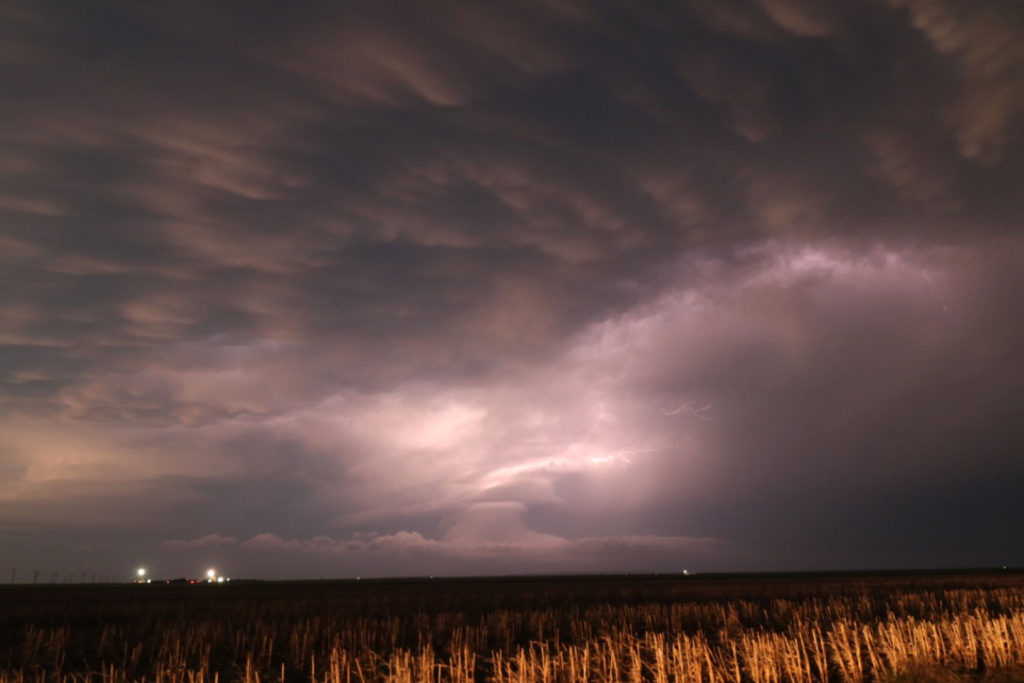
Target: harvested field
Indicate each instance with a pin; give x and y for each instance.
(938, 627)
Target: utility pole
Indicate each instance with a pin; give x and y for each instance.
(35, 575)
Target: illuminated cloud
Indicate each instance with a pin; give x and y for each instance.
(208, 541)
(527, 288)
(460, 555)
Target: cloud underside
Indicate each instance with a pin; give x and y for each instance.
(548, 281)
(487, 537)
(513, 542)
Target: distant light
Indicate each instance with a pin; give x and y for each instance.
(140, 572)
(220, 579)
(149, 581)
(211, 573)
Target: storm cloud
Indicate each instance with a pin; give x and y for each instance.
(507, 287)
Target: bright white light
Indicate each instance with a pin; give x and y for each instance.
(220, 579)
(211, 573)
(140, 572)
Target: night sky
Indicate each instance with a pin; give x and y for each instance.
(331, 289)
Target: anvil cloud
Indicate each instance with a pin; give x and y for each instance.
(463, 287)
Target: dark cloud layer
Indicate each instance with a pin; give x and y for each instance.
(553, 286)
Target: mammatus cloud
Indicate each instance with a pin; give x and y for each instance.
(513, 282)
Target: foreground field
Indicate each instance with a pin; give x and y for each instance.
(660, 629)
